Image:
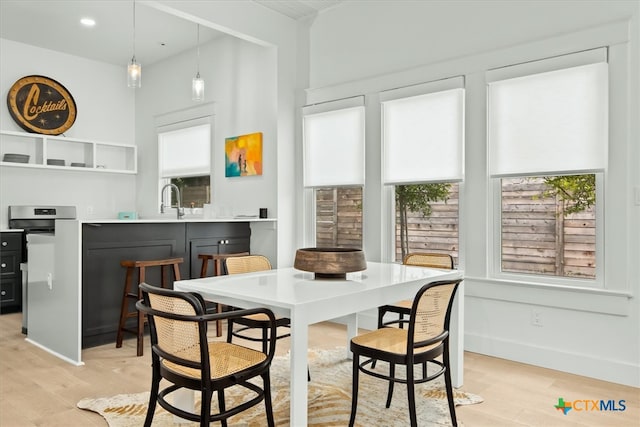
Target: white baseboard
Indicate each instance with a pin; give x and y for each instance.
(579, 364)
(55, 353)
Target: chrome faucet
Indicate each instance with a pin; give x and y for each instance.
(180, 211)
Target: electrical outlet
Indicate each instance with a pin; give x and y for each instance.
(536, 317)
(89, 210)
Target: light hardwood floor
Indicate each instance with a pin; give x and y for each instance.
(37, 389)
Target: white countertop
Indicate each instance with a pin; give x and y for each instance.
(154, 221)
(172, 220)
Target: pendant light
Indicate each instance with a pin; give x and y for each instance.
(134, 70)
(197, 84)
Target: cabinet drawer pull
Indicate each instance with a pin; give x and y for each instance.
(4, 243)
(4, 265)
(3, 293)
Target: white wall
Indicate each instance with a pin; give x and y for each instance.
(252, 22)
(105, 113)
(276, 34)
(371, 38)
(240, 81)
(240, 89)
(365, 47)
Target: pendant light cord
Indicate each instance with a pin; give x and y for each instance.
(134, 30)
(198, 51)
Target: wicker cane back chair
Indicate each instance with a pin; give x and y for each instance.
(247, 264)
(403, 308)
(426, 338)
(250, 264)
(183, 356)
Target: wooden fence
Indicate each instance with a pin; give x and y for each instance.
(437, 233)
(339, 217)
(536, 237)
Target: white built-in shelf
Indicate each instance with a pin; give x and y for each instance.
(97, 156)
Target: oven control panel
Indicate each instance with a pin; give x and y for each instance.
(44, 211)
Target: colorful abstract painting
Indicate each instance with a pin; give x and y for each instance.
(243, 155)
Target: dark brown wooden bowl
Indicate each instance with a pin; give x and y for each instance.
(330, 263)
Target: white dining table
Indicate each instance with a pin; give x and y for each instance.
(296, 294)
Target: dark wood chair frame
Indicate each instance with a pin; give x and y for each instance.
(219, 268)
(262, 325)
(409, 359)
(206, 385)
(247, 324)
(401, 310)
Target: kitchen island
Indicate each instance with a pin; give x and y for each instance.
(79, 302)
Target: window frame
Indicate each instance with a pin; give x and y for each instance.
(495, 244)
(494, 241)
(175, 126)
(450, 83)
(308, 190)
(394, 237)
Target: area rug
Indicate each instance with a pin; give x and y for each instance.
(329, 399)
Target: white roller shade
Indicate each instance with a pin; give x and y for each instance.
(423, 135)
(553, 122)
(334, 144)
(185, 152)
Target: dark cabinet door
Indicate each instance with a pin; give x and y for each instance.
(215, 238)
(103, 247)
(10, 274)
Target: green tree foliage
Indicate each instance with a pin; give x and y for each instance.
(417, 198)
(578, 192)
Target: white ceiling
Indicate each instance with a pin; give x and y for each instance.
(299, 9)
(55, 25)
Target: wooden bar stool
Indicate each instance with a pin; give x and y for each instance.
(131, 295)
(217, 259)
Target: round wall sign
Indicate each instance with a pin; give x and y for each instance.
(41, 105)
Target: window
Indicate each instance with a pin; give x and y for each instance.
(423, 157)
(184, 160)
(430, 223)
(339, 217)
(334, 171)
(547, 137)
(195, 191)
(544, 231)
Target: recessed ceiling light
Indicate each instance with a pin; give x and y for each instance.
(87, 22)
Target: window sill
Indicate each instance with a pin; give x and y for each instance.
(567, 297)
